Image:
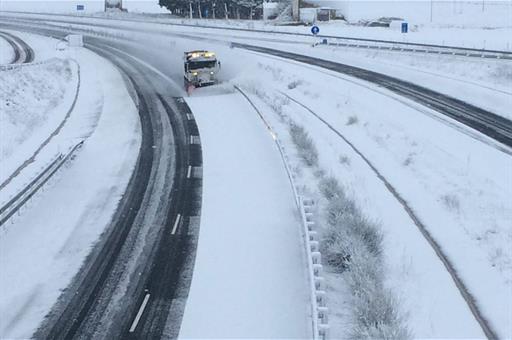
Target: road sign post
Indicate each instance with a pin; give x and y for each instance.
(404, 27)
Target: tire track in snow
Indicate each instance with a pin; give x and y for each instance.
(21, 49)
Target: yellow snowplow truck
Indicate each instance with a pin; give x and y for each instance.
(201, 68)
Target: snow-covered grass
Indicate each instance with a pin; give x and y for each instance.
(305, 145)
(351, 244)
(6, 51)
(33, 102)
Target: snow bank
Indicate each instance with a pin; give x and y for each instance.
(6, 51)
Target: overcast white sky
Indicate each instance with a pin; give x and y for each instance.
(69, 6)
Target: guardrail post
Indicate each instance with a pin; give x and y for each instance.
(316, 257)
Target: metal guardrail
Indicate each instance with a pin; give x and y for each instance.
(24, 195)
(414, 48)
(8, 67)
(319, 310)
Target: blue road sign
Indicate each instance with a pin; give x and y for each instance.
(404, 27)
(80, 7)
(315, 30)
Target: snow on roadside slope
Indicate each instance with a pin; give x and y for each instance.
(481, 82)
(33, 100)
(405, 253)
(250, 273)
(55, 233)
(458, 186)
(6, 51)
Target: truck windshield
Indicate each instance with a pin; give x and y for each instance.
(194, 65)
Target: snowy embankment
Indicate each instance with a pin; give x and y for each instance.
(250, 272)
(35, 100)
(456, 185)
(6, 51)
(58, 227)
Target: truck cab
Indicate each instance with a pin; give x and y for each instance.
(201, 68)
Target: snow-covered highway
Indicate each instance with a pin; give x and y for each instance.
(402, 161)
(21, 51)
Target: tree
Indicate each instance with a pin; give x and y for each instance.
(241, 9)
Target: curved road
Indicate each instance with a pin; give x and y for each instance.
(23, 53)
(155, 226)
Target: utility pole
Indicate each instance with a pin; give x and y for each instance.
(226, 10)
(190, 9)
(295, 10)
(431, 9)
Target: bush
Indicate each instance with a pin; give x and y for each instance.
(353, 244)
(352, 120)
(304, 143)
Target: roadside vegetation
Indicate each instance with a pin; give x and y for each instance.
(351, 243)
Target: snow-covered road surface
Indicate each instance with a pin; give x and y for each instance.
(250, 273)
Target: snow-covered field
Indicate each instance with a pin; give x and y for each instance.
(6, 51)
(51, 238)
